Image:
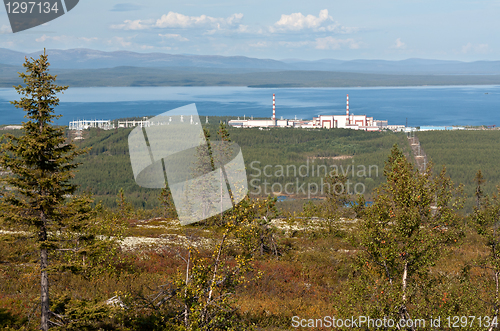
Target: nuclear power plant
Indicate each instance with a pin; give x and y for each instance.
(347, 121)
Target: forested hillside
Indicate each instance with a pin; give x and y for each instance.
(106, 168)
(464, 153)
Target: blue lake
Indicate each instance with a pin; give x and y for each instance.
(448, 105)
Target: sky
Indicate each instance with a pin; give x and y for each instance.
(274, 29)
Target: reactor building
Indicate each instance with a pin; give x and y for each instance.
(347, 121)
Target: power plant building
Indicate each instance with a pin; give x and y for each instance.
(347, 121)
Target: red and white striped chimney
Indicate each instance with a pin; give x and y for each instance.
(347, 111)
(274, 107)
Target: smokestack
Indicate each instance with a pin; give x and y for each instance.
(347, 111)
(274, 107)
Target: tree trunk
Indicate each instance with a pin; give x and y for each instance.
(44, 279)
(388, 274)
(204, 314)
(221, 195)
(261, 243)
(186, 307)
(403, 312)
(405, 275)
(496, 299)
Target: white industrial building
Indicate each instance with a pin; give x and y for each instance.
(108, 125)
(347, 121)
(87, 124)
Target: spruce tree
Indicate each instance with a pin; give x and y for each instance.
(37, 195)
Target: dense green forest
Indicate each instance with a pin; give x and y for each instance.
(464, 153)
(106, 168)
(316, 153)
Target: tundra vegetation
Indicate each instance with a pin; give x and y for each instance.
(70, 263)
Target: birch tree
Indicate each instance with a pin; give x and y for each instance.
(411, 222)
(486, 220)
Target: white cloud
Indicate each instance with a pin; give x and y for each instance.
(334, 43)
(63, 39)
(482, 48)
(298, 21)
(120, 41)
(5, 29)
(295, 44)
(88, 39)
(234, 19)
(42, 39)
(134, 25)
(243, 28)
(259, 44)
(7, 44)
(173, 36)
(323, 43)
(177, 20)
(466, 48)
(337, 28)
(399, 44)
(479, 49)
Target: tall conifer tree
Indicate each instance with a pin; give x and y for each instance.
(40, 163)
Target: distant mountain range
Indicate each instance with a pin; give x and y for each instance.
(409, 66)
(86, 67)
(82, 58)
